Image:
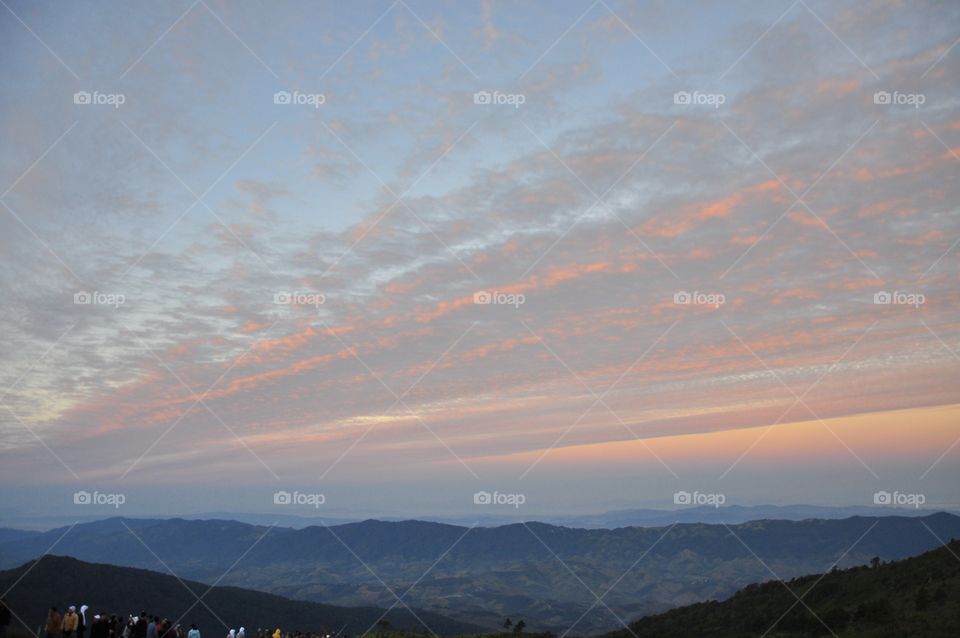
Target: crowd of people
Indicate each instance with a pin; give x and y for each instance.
(77, 624)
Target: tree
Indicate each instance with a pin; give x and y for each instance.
(836, 619)
(875, 562)
(518, 628)
(507, 624)
(940, 596)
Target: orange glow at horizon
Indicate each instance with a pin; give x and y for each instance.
(922, 433)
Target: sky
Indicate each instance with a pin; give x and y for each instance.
(593, 254)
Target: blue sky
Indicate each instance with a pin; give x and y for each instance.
(590, 201)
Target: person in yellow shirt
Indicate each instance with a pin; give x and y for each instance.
(70, 622)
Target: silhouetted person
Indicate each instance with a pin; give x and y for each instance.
(5, 617)
(54, 620)
(82, 622)
(194, 632)
(99, 629)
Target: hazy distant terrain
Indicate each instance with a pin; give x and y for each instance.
(542, 573)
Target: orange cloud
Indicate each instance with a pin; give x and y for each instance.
(693, 215)
(253, 326)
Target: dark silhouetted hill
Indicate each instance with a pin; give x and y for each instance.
(63, 581)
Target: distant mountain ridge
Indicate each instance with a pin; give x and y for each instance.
(633, 517)
(486, 574)
(61, 580)
(728, 514)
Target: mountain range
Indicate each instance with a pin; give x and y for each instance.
(633, 517)
(548, 575)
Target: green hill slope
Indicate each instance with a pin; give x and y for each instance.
(917, 596)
